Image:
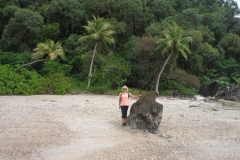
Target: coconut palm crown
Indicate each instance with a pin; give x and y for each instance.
(49, 49)
(98, 31)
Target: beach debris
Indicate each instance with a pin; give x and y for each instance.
(170, 98)
(203, 105)
(182, 115)
(198, 98)
(75, 93)
(164, 135)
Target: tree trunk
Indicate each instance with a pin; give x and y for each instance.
(134, 25)
(21, 41)
(149, 84)
(90, 70)
(160, 73)
(30, 64)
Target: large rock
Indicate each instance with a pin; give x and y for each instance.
(231, 93)
(209, 90)
(146, 114)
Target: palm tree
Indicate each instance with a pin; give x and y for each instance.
(174, 43)
(47, 50)
(98, 31)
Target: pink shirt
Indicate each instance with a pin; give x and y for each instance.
(123, 99)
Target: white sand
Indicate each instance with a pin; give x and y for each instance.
(75, 127)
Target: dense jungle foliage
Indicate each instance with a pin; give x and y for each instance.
(47, 46)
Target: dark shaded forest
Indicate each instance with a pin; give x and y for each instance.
(58, 46)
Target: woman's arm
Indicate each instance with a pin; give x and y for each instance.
(135, 96)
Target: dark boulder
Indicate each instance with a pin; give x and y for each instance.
(203, 91)
(209, 90)
(146, 114)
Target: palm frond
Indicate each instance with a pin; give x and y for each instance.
(105, 44)
(109, 32)
(58, 44)
(183, 53)
(166, 49)
(161, 47)
(109, 40)
(52, 56)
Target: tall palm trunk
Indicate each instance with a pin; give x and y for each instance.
(90, 70)
(160, 73)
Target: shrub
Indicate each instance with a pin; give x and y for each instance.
(184, 78)
(9, 80)
(205, 80)
(51, 67)
(77, 85)
(167, 87)
(33, 83)
(23, 83)
(223, 82)
(58, 84)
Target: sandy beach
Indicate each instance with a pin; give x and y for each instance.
(75, 127)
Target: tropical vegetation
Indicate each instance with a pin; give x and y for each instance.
(60, 46)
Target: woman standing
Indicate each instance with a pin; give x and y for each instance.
(124, 104)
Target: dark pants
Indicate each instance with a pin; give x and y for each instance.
(124, 111)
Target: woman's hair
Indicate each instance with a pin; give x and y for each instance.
(125, 87)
